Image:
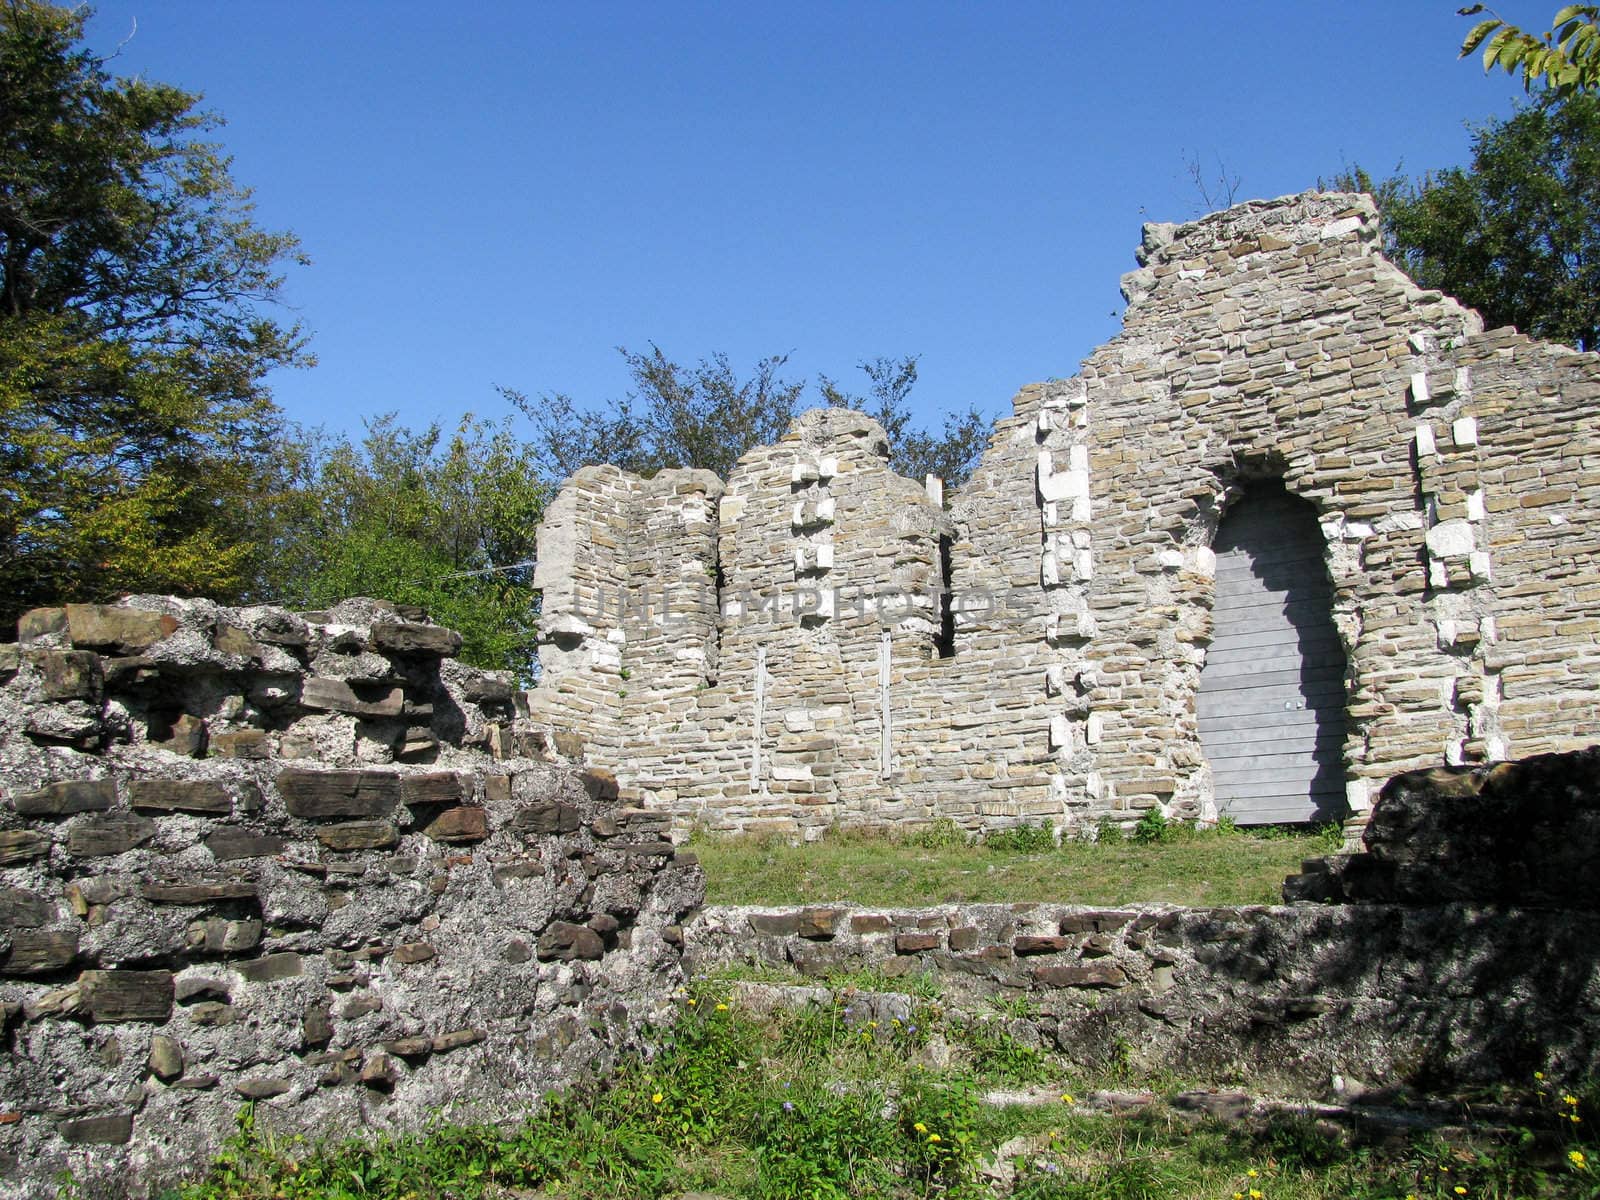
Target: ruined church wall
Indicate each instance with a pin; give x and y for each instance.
(1274, 341)
(1449, 468)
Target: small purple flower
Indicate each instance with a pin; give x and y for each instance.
(911, 1028)
(788, 1106)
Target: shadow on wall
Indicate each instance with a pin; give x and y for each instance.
(1272, 692)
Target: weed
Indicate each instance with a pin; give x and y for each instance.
(943, 834)
(1022, 839)
(1152, 827)
(999, 1056)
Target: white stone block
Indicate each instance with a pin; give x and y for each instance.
(827, 467)
(798, 520)
(1080, 509)
(1495, 748)
(1356, 795)
(1419, 388)
(1558, 518)
(803, 472)
(1425, 443)
(1475, 507)
(801, 559)
(825, 508)
(1093, 729)
(1437, 575)
(1055, 679)
(731, 509)
(798, 720)
(1446, 630)
(1047, 515)
(1450, 539)
(1478, 564)
(933, 489)
(1060, 733)
(1205, 561)
(1083, 565)
(1049, 572)
(1488, 632)
(1418, 343)
(1464, 431)
(1044, 422)
(1170, 560)
(1342, 228)
(1078, 458)
(825, 556)
(792, 774)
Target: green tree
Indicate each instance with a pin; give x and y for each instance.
(1517, 234)
(672, 417)
(1565, 58)
(708, 417)
(417, 518)
(135, 333)
(914, 453)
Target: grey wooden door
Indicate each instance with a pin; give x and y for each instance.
(1271, 703)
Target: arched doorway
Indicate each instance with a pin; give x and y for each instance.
(1271, 702)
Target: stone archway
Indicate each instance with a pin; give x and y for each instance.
(1271, 700)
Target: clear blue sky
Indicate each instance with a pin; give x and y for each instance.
(503, 193)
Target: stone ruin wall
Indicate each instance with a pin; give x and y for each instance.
(304, 860)
(1450, 468)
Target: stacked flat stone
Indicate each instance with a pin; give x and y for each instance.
(224, 877)
(1451, 470)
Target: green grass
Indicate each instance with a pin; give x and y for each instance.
(1189, 867)
(822, 1104)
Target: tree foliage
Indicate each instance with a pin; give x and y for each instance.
(707, 417)
(134, 332)
(1565, 58)
(704, 416)
(418, 518)
(1517, 234)
(913, 452)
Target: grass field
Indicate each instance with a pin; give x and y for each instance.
(1177, 865)
(821, 1103)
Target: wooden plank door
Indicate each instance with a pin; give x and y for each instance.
(1271, 702)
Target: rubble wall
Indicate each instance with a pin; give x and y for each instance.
(1315, 1000)
(1051, 671)
(308, 862)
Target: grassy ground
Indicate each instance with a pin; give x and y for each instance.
(821, 1103)
(1174, 865)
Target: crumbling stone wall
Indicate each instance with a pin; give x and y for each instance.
(303, 860)
(1450, 470)
(1457, 951)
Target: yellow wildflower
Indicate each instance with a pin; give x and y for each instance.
(722, 1008)
(1252, 1172)
(1254, 1194)
(1572, 1100)
(1067, 1098)
(934, 1137)
(1460, 1191)
(656, 1099)
(1538, 1075)
(920, 1127)
(1577, 1159)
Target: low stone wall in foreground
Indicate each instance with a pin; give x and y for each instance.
(246, 856)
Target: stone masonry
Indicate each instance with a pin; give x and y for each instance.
(306, 861)
(818, 640)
